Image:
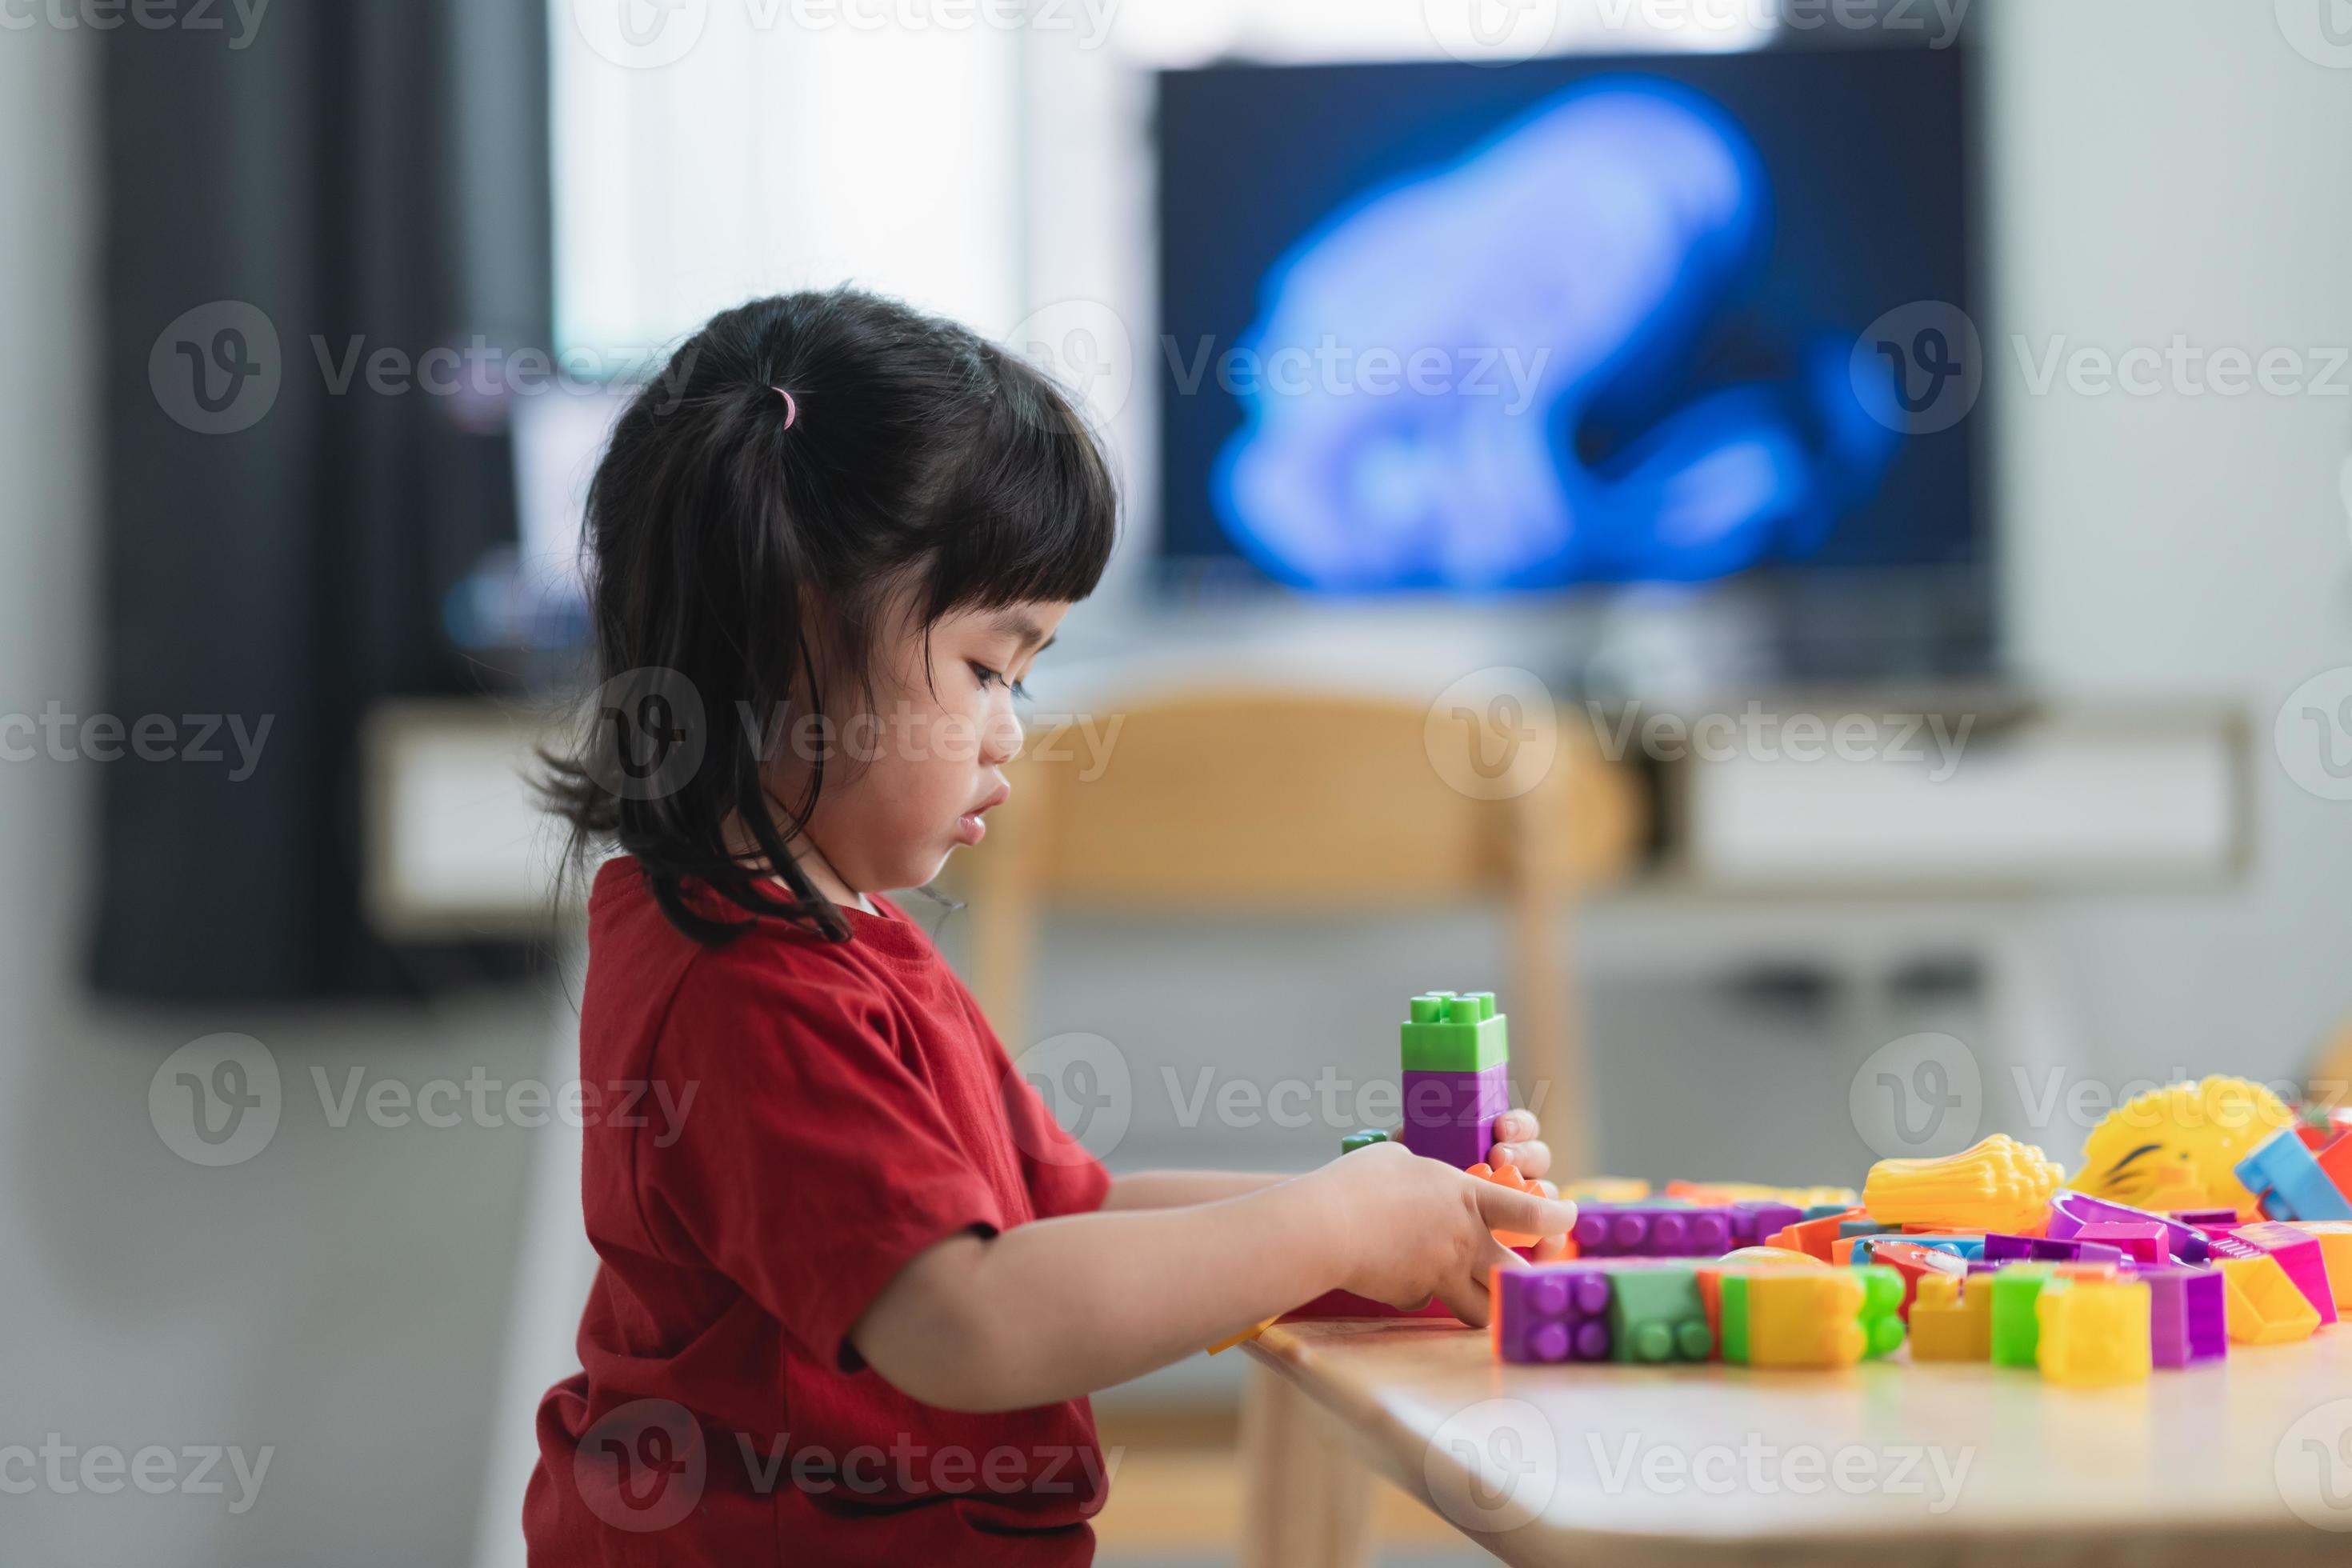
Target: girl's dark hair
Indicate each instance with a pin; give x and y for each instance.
(740, 567)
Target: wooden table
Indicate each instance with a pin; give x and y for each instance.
(2244, 1464)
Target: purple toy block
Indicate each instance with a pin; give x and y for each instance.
(2206, 1219)
(2070, 1212)
(2001, 1248)
(1649, 1231)
(2188, 1315)
(2298, 1252)
(1450, 1116)
(1753, 1219)
(1552, 1313)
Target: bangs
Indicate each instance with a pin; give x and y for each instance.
(1035, 515)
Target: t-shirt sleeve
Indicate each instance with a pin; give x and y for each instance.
(813, 1164)
(1061, 1176)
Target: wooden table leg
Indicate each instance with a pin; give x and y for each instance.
(1307, 1498)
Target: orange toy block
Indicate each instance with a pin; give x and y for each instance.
(1813, 1237)
(1950, 1321)
(1508, 1176)
(2265, 1307)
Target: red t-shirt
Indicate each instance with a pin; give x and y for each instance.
(850, 1107)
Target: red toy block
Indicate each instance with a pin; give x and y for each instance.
(2335, 1159)
(1911, 1261)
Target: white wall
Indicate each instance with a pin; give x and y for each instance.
(2174, 167)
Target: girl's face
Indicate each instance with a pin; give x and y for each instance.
(910, 778)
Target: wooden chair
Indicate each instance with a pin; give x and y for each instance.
(1312, 803)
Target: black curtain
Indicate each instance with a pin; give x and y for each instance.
(368, 175)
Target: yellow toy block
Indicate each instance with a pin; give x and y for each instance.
(1798, 1317)
(1949, 1322)
(1997, 1184)
(2263, 1305)
(2095, 1332)
(2335, 1251)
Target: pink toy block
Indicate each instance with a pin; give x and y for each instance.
(2298, 1252)
(2142, 1242)
(2070, 1212)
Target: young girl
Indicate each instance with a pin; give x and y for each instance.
(851, 1303)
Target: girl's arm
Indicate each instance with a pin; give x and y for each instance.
(1517, 1142)
(1058, 1308)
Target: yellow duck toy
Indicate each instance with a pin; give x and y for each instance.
(2178, 1147)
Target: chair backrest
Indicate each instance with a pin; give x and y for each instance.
(1311, 803)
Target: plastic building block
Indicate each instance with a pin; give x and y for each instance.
(1913, 1262)
(2093, 1333)
(1450, 1116)
(1999, 1184)
(2016, 1331)
(1753, 1219)
(2178, 1147)
(1654, 1230)
(1824, 1210)
(1812, 1236)
(2334, 1159)
(1355, 1141)
(2289, 1182)
(2299, 1254)
(2071, 1212)
(1605, 1189)
(2264, 1306)
(1552, 1313)
(1656, 1314)
(2335, 1238)
(2206, 1219)
(2000, 1248)
(1810, 1317)
(2188, 1315)
(1951, 1317)
(1706, 1193)
(1447, 1031)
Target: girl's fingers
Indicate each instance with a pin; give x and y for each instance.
(1516, 1127)
(1551, 1250)
(1526, 1214)
(1533, 1158)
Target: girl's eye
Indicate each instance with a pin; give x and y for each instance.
(996, 677)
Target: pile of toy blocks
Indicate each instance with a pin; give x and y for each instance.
(1978, 1256)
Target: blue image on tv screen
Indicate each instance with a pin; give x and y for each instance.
(1453, 327)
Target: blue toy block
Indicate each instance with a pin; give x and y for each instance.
(2289, 1181)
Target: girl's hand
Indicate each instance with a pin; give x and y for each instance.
(1411, 1229)
(1520, 1142)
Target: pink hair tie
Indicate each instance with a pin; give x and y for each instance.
(791, 409)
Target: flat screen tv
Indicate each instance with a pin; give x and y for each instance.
(1577, 321)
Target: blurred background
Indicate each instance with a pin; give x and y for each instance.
(1809, 548)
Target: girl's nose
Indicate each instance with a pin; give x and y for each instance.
(999, 737)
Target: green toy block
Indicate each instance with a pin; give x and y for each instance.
(1882, 1310)
(1657, 1315)
(1731, 1311)
(2016, 1297)
(1355, 1141)
(1455, 1032)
